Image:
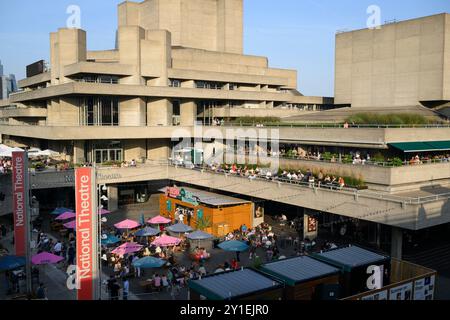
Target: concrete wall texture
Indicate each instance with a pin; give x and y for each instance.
(398, 65)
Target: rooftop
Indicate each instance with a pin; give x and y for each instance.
(299, 269)
(233, 284)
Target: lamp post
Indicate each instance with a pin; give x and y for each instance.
(100, 197)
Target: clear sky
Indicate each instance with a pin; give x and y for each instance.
(297, 34)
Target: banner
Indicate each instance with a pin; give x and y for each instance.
(86, 231)
(20, 201)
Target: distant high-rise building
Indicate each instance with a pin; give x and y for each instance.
(8, 84)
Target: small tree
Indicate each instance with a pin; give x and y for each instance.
(203, 223)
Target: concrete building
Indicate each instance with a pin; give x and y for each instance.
(180, 62)
(401, 64)
(8, 84)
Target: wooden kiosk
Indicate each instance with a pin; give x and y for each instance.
(220, 214)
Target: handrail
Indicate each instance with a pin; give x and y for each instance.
(336, 125)
(328, 187)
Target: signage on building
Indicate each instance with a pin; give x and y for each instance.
(86, 230)
(20, 201)
(189, 197)
(172, 192)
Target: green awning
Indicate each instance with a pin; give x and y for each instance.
(429, 146)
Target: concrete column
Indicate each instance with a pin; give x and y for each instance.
(158, 149)
(159, 112)
(113, 198)
(132, 112)
(396, 242)
(188, 113)
(78, 152)
(134, 149)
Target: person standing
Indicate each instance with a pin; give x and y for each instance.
(70, 255)
(126, 288)
(57, 248)
(41, 292)
(115, 288)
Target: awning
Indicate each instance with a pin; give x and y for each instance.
(429, 146)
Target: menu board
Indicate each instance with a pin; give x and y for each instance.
(382, 295)
(403, 292)
(424, 288)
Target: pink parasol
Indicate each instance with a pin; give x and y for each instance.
(46, 258)
(128, 247)
(66, 215)
(70, 225)
(127, 224)
(166, 241)
(159, 220)
(104, 211)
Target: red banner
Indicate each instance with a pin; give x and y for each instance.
(20, 198)
(85, 233)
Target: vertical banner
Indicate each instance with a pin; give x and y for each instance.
(20, 201)
(86, 231)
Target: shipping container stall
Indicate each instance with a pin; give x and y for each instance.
(361, 270)
(246, 284)
(305, 278)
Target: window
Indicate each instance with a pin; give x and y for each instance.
(209, 85)
(99, 111)
(174, 83)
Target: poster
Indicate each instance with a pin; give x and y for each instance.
(382, 295)
(402, 292)
(424, 288)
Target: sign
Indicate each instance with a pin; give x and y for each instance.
(172, 192)
(20, 201)
(403, 292)
(310, 227)
(87, 238)
(188, 197)
(169, 206)
(424, 288)
(382, 295)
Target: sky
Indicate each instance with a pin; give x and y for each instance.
(293, 34)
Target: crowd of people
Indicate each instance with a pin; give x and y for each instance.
(321, 180)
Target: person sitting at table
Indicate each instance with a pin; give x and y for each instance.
(234, 264)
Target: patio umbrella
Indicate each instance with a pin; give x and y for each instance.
(159, 220)
(149, 263)
(48, 153)
(66, 215)
(104, 211)
(45, 258)
(147, 232)
(128, 247)
(109, 240)
(59, 211)
(8, 263)
(166, 241)
(233, 246)
(71, 225)
(127, 224)
(180, 228)
(199, 235)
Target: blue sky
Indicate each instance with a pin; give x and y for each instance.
(297, 34)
